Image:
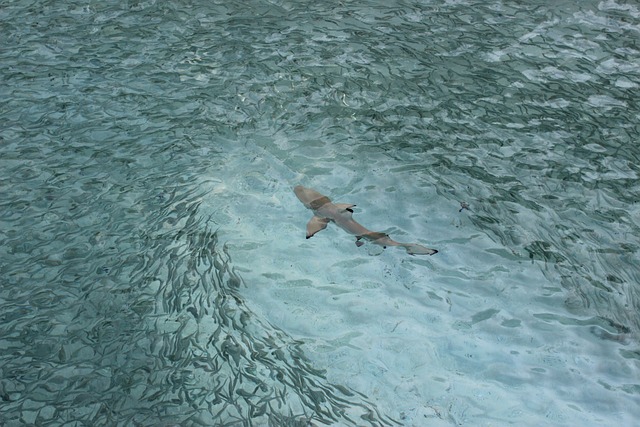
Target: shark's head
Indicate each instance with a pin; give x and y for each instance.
(311, 199)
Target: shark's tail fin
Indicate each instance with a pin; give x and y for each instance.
(415, 249)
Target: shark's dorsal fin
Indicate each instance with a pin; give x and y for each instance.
(316, 224)
(345, 206)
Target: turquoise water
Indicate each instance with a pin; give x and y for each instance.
(153, 261)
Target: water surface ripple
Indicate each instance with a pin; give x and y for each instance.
(137, 137)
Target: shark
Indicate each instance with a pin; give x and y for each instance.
(325, 211)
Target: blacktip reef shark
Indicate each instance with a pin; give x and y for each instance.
(325, 211)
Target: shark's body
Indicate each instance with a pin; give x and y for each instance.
(324, 212)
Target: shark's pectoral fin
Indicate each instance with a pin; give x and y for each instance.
(316, 224)
(359, 242)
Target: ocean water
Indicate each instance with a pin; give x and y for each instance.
(153, 262)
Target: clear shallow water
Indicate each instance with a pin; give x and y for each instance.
(153, 261)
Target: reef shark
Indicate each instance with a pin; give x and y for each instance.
(325, 211)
